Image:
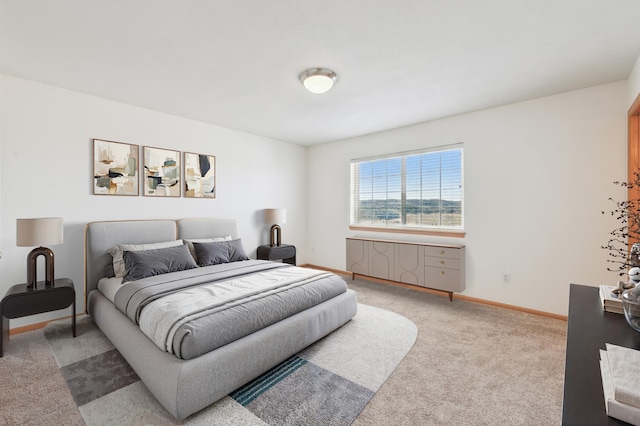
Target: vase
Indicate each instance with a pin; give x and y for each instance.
(631, 307)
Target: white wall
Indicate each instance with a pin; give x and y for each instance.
(537, 173)
(46, 170)
(634, 82)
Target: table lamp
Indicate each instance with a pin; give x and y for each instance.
(39, 232)
(275, 216)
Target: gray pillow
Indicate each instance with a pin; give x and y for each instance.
(236, 251)
(147, 263)
(211, 253)
(220, 252)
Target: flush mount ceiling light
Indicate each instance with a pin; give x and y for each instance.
(318, 80)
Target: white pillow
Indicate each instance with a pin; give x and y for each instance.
(190, 242)
(117, 252)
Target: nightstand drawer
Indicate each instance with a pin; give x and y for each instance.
(22, 300)
(282, 252)
(285, 252)
(21, 305)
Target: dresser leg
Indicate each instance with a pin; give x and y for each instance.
(450, 296)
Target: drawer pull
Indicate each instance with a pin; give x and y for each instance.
(441, 272)
(441, 251)
(442, 262)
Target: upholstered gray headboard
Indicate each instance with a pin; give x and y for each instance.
(207, 227)
(102, 236)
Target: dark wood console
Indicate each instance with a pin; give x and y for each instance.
(589, 327)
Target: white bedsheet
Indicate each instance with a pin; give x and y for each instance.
(109, 286)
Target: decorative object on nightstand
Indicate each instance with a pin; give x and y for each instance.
(39, 232)
(277, 217)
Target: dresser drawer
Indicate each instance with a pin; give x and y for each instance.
(441, 262)
(443, 279)
(449, 253)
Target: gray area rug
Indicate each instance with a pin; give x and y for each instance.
(329, 383)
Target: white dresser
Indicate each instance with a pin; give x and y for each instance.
(435, 266)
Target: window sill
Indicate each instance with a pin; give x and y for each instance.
(419, 231)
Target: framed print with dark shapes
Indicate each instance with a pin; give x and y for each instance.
(161, 172)
(115, 168)
(199, 175)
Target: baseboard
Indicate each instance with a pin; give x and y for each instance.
(445, 294)
(37, 326)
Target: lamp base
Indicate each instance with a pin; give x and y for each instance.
(275, 229)
(32, 266)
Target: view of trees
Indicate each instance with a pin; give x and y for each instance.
(418, 212)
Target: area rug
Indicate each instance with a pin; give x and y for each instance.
(328, 383)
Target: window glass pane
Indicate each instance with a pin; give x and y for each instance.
(419, 189)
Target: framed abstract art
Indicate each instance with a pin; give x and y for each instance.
(115, 168)
(161, 172)
(199, 175)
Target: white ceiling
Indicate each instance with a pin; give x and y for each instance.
(400, 62)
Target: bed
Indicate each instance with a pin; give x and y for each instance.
(186, 378)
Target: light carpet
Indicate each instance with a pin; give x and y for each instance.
(329, 383)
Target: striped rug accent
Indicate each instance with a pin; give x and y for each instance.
(328, 383)
(249, 392)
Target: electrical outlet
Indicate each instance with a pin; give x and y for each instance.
(506, 278)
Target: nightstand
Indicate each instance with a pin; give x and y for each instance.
(285, 252)
(21, 301)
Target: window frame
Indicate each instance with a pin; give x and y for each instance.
(439, 230)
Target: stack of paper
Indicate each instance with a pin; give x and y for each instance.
(610, 302)
(620, 369)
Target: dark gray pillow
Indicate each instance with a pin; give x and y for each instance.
(236, 251)
(147, 263)
(220, 252)
(211, 253)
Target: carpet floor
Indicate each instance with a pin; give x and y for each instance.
(471, 364)
(328, 383)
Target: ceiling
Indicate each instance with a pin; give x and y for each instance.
(236, 63)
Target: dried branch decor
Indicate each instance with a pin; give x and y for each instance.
(627, 212)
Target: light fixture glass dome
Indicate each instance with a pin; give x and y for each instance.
(318, 80)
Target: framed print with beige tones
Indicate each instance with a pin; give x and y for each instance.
(115, 168)
(161, 172)
(199, 175)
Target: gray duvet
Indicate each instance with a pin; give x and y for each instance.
(192, 312)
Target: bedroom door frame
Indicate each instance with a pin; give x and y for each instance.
(633, 127)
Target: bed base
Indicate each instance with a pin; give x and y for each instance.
(184, 387)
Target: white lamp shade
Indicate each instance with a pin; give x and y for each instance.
(39, 232)
(278, 216)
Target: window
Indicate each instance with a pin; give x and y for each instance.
(411, 190)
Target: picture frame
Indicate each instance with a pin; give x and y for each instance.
(162, 177)
(199, 175)
(115, 168)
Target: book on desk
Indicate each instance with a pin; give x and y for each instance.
(610, 302)
(620, 370)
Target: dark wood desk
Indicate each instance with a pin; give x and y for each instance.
(589, 327)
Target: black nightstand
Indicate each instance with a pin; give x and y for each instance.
(21, 301)
(285, 252)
